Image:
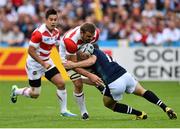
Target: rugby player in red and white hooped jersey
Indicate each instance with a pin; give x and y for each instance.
(39, 63)
(70, 42)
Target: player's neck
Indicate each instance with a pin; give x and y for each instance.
(50, 30)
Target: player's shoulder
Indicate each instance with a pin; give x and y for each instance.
(36, 33)
(97, 30)
(40, 29)
(73, 33)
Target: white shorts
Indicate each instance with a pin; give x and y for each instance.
(35, 70)
(126, 83)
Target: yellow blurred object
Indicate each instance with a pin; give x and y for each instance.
(98, 11)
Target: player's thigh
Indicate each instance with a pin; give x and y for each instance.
(34, 70)
(73, 75)
(117, 88)
(55, 77)
(139, 90)
(130, 82)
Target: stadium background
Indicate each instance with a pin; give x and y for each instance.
(142, 35)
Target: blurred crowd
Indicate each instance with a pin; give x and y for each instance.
(147, 22)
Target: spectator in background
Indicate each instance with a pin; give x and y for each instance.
(26, 13)
(104, 28)
(149, 11)
(114, 30)
(3, 3)
(16, 37)
(171, 33)
(11, 14)
(5, 33)
(27, 8)
(17, 3)
(155, 38)
(40, 9)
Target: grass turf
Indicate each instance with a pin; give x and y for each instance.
(44, 112)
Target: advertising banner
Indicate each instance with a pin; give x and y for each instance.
(149, 63)
(145, 63)
(13, 61)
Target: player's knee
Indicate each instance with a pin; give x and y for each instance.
(73, 75)
(35, 92)
(109, 103)
(34, 96)
(60, 84)
(139, 90)
(78, 85)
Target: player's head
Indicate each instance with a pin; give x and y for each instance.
(87, 32)
(51, 18)
(85, 51)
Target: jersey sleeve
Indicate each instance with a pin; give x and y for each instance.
(70, 45)
(36, 38)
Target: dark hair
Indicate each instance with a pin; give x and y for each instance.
(50, 12)
(88, 27)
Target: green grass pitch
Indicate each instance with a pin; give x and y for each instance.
(44, 111)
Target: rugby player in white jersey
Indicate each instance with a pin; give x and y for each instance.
(39, 63)
(70, 42)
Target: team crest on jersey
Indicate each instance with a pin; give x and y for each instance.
(46, 39)
(49, 40)
(34, 72)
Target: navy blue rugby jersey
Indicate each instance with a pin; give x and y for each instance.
(106, 68)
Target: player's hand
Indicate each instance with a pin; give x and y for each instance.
(95, 79)
(68, 65)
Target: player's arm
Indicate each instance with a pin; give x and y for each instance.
(92, 77)
(71, 48)
(84, 63)
(36, 38)
(32, 53)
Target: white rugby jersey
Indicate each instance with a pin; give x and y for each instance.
(72, 39)
(43, 40)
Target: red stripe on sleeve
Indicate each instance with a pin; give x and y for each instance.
(36, 37)
(97, 35)
(71, 47)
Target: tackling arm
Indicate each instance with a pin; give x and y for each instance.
(92, 77)
(85, 63)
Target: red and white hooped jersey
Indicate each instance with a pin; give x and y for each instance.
(72, 39)
(43, 40)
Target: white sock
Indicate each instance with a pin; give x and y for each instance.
(62, 96)
(23, 91)
(80, 99)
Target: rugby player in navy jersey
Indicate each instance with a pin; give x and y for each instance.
(117, 81)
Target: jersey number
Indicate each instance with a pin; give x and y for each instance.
(110, 59)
